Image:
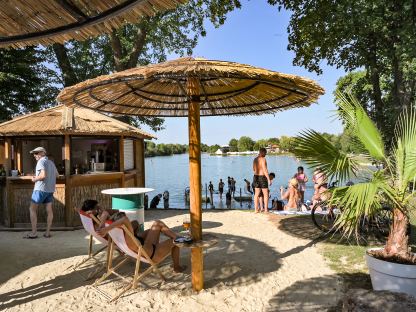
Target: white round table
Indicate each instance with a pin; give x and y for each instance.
(130, 200)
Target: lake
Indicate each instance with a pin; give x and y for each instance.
(171, 173)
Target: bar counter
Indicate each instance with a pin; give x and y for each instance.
(71, 191)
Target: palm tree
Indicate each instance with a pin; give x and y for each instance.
(388, 184)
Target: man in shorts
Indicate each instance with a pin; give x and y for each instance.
(261, 180)
(45, 181)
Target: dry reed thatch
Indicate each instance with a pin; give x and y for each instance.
(85, 121)
(226, 88)
(33, 22)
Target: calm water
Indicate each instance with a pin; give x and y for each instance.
(172, 173)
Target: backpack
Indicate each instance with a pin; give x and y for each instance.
(277, 204)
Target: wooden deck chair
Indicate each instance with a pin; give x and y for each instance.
(118, 239)
(88, 221)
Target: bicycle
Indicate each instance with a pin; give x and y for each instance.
(378, 224)
(325, 217)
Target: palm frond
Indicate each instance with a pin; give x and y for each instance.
(317, 151)
(358, 201)
(356, 119)
(405, 148)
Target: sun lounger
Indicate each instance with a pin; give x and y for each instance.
(118, 239)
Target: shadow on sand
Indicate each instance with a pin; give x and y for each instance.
(315, 294)
(233, 261)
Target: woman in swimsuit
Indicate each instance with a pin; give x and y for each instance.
(149, 239)
(301, 177)
(291, 195)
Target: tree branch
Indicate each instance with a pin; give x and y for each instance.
(117, 51)
(139, 43)
(68, 73)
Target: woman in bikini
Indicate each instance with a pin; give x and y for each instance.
(149, 239)
(301, 177)
(292, 195)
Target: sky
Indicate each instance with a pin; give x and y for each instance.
(257, 35)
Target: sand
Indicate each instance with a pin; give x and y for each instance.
(259, 264)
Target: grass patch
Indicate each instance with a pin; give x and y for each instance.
(347, 258)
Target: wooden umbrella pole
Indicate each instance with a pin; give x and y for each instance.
(195, 181)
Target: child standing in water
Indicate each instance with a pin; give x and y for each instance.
(301, 177)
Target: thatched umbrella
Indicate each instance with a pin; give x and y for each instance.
(193, 87)
(32, 22)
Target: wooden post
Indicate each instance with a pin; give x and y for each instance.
(139, 162)
(195, 181)
(69, 212)
(8, 155)
(121, 158)
(19, 155)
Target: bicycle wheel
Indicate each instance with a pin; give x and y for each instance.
(323, 217)
(380, 223)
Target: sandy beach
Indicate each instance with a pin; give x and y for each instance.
(259, 264)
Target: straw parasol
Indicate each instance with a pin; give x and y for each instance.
(61, 120)
(32, 22)
(194, 87)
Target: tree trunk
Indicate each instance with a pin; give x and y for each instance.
(68, 75)
(375, 81)
(397, 245)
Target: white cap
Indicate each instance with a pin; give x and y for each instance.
(38, 150)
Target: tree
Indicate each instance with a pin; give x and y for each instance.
(245, 143)
(377, 35)
(214, 148)
(233, 144)
(287, 143)
(149, 41)
(26, 84)
(388, 184)
(260, 143)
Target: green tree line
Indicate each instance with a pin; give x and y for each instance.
(153, 149)
(285, 144)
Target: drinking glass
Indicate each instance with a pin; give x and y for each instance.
(186, 224)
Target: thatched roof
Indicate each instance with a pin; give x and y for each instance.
(32, 22)
(60, 120)
(225, 88)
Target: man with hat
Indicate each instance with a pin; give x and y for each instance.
(45, 181)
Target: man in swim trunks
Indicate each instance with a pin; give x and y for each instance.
(261, 180)
(221, 188)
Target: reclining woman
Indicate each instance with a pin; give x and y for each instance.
(149, 239)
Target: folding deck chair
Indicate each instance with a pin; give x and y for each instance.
(88, 221)
(118, 239)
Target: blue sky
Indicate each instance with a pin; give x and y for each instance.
(256, 35)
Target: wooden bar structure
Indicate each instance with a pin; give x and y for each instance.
(64, 132)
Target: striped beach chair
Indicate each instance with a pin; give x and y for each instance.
(118, 239)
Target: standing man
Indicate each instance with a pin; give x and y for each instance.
(221, 188)
(229, 184)
(232, 187)
(261, 180)
(211, 193)
(45, 181)
(166, 199)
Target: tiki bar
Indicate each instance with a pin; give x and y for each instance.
(91, 151)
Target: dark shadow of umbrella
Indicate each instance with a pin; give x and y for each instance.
(232, 262)
(317, 294)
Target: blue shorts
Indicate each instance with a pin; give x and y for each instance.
(39, 197)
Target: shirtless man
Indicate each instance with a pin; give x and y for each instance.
(261, 180)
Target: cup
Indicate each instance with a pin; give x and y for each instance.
(14, 173)
(186, 224)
